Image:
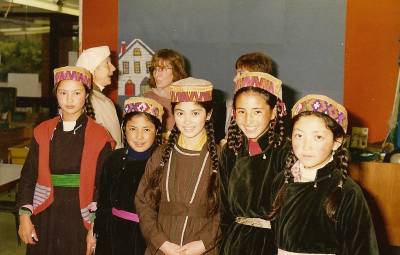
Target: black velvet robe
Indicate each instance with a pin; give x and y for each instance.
(246, 192)
(116, 236)
(303, 226)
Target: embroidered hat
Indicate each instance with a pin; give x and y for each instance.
(322, 104)
(191, 90)
(260, 80)
(73, 73)
(92, 57)
(143, 104)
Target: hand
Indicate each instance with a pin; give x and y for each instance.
(26, 230)
(90, 242)
(170, 248)
(193, 248)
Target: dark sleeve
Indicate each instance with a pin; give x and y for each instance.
(282, 154)
(210, 232)
(105, 152)
(29, 176)
(226, 215)
(356, 230)
(103, 212)
(148, 214)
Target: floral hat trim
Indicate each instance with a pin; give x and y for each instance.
(322, 104)
(73, 73)
(143, 104)
(191, 90)
(260, 80)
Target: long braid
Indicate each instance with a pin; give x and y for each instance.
(89, 107)
(332, 202)
(213, 185)
(235, 136)
(153, 187)
(278, 201)
(276, 129)
(158, 139)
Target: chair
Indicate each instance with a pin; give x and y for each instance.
(8, 206)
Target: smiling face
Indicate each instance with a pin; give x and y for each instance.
(252, 114)
(71, 96)
(190, 119)
(313, 141)
(140, 132)
(103, 73)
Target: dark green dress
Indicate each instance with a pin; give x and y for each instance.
(302, 225)
(246, 192)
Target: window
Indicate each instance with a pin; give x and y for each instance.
(148, 64)
(125, 67)
(137, 52)
(136, 66)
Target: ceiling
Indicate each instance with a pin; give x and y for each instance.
(20, 24)
(70, 7)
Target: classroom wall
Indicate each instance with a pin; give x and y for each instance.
(371, 63)
(304, 37)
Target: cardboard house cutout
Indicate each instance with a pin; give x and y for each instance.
(134, 62)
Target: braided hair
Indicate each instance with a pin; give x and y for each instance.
(275, 129)
(153, 188)
(340, 159)
(88, 104)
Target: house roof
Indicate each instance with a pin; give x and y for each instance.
(132, 43)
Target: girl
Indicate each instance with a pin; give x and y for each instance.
(319, 209)
(249, 162)
(177, 199)
(57, 193)
(167, 66)
(116, 222)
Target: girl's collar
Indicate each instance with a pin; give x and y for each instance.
(134, 155)
(182, 142)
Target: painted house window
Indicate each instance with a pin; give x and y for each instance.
(125, 67)
(136, 67)
(137, 52)
(148, 64)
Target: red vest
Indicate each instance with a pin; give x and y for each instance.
(95, 139)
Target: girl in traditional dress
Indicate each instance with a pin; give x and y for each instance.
(117, 222)
(177, 199)
(319, 209)
(251, 158)
(57, 190)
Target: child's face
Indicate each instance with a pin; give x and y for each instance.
(190, 119)
(103, 72)
(252, 114)
(71, 97)
(163, 74)
(312, 141)
(140, 133)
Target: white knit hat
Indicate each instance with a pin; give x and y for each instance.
(92, 57)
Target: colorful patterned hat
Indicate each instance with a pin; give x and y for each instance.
(191, 90)
(322, 104)
(143, 104)
(260, 80)
(73, 73)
